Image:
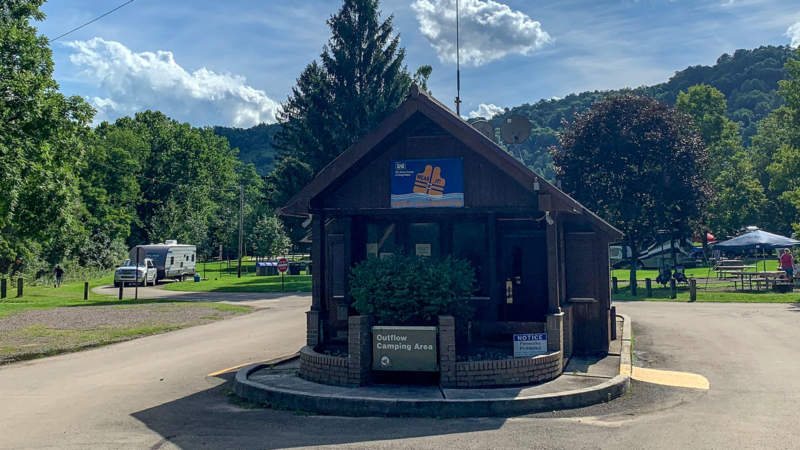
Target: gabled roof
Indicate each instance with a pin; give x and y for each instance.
(421, 102)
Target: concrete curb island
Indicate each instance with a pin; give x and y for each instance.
(487, 402)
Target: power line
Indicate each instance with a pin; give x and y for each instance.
(91, 21)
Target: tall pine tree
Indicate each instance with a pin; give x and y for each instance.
(360, 80)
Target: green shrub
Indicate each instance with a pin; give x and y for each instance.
(406, 290)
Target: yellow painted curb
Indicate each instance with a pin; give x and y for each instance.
(229, 369)
(670, 378)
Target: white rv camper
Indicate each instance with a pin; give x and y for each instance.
(172, 260)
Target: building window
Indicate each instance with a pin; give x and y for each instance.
(381, 239)
(423, 239)
(171, 260)
(192, 257)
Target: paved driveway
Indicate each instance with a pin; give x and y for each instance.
(153, 392)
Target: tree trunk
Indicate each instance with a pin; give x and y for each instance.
(704, 240)
(634, 265)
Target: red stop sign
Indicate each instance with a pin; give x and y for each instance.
(283, 265)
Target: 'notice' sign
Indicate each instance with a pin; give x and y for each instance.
(404, 349)
(531, 344)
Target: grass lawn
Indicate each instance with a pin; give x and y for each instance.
(711, 296)
(220, 278)
(47, 321)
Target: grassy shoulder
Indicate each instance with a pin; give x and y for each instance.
(709, 296)
(47, 321)
(219, 277)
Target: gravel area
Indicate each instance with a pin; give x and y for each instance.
(41, 332)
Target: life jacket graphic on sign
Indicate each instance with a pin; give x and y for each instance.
(429, 181)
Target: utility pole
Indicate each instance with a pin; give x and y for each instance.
(241, 227)
(458, 68)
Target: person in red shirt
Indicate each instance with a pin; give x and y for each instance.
(787, 263)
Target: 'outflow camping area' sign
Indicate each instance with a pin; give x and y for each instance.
(404, 348)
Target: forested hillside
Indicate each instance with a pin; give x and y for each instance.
(254, 144)
(748, 79)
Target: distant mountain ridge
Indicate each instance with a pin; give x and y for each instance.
(254, 144)
(748, 78)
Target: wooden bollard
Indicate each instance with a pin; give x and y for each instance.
(3, 288)
(692, 290)
(673, 288)
(613, 323)
(19, 287)
(120, 290)
(86, 290)
(614, 285)
(648, 285)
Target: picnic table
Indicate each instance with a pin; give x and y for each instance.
(764, 277)
(731, 270)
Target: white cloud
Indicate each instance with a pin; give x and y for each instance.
(488, 30)
(487, 111)
(793, 32)
(146, 80)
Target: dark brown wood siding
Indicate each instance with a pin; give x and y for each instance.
(370, 187)
(584, 257)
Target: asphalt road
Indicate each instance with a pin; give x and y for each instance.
(153, 392)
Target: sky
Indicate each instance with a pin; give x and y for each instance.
(233, 62)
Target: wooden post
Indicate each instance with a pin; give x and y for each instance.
(648, 285)
(19, 287)
(3, 288)
(673, 288)
(692, 290)
(121, 287)
(86, 290)
(614, 285)
(491, 233)
(553, 304)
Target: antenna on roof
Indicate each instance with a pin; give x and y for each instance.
(458, 68)
(485, 127)
(515, 130)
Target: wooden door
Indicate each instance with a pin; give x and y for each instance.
(524, 266)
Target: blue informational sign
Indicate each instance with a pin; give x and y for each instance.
(428, 183)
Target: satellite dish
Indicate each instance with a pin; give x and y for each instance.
(516, 129)
(486, 128)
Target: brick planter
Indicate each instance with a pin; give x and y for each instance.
(321, 368)
(350, 370)
(508, 372)
(502, 372)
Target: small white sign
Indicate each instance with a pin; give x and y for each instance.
(372, 249)
(531, 344)
(423, 249)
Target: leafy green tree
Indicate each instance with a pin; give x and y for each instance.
(739, 196)
(775, 156)
(268, 237)
(707, 107)
(637, 162)
(421, 77)
(790, 91)
(42, 141)
(175, 181)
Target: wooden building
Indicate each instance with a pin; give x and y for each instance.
(535, 250)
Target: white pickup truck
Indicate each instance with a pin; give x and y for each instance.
(130, 274)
